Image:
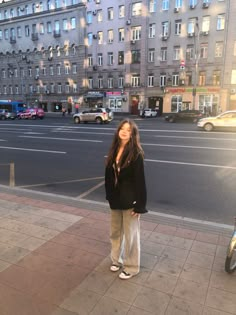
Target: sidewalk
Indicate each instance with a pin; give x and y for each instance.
(54, 260)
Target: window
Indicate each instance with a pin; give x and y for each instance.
(59, 88)
(120, 58)
(90, 83)
(100, 59)
(192, 26)
(152, 6)
(100, 82)
(165, 28)
(176, 55)
(0, 34)
(137, 9)
(75, 88)
(110, 83)
(49, 27)
(178, 3)
(233, 77)
(57, 27)
(67, 68)
(65, 25)
(90, 60)
(216, 77)
(73, 23)
(110, 13)
(18, 31)
(135, 56)
(57, 4)
(30, 72)
(99, 15)
(121, 11)
(192, 3)
(110, 59)
(135, 80)
(27, 31)
(89, 17)
(58, 69)
(67, 87)
(220, 22)
(121, 34)
(151, 54)
(165, 4)
(175, 79)
(219, 49)
(178, 27)
(41, 28)
(152, 30)
(176, 103)
(163, 54)
(136, 33)
(110, 35)
(203, 50)
(44, 71)
(202, 78)
(74, 68)
(100, 38)
(205, 24)
(189, 52)
(51, 72)
(121, 82)
(90, 38)
(150, 82)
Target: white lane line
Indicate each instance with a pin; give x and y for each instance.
(32, 150)
(201, 138)
(63, 182)
(90, 190)
(61, 139)
(2, 140)
(187, 146)
(192, 164)
(85, 132)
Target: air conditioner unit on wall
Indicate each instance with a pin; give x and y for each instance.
(232, 91)
(192, 6)
(205, 5)
(176, 10)
(128, 22)
(94, 12)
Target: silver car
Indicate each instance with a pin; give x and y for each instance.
(226, 120)
(97, 115)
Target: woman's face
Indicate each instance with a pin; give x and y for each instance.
(125, 133)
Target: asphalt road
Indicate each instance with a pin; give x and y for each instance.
(189, 172)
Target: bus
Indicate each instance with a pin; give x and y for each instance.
(12, 106)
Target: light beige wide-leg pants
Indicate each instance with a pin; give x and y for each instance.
(125, 240)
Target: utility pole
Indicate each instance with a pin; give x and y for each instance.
(196, 60)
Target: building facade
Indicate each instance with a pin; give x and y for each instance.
(127, 55)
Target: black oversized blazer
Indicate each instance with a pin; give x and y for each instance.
(130, 191)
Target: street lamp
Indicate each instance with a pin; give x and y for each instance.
(196, 60)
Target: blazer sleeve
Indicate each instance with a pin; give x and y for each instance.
(140, 185)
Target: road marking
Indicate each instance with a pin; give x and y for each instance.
(84, 132)
(201, 138)
(61, 139)
(63, 182)
(192, 164)
(90, 190)
(187, 146)
(32, 150)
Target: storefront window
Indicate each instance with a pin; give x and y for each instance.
(176, 103)
(209, 104)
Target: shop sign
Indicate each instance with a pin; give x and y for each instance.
(94, 94)
(190, 90)
(116, 93)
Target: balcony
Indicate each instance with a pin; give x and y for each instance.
(34, 36)
(57, 33)
(12, 40)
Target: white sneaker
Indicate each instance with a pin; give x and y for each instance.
(125, 275)
(115, 268)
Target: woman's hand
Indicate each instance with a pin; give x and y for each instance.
(135, 214)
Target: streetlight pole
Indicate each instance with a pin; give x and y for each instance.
(196, 60)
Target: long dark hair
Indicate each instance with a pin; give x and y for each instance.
(132, 148)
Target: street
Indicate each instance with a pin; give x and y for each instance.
(189, 172)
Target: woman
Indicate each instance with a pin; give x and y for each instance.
(126, 193)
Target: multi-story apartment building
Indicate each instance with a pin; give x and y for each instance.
(166, 54)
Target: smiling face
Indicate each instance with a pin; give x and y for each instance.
(125, 133)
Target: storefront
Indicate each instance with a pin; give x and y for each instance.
(156, 102)
(117, 101)
(93, 98)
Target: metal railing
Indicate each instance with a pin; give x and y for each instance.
(11, 173)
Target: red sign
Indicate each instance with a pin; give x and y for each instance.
(182, 63)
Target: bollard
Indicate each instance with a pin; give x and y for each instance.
(12, 175)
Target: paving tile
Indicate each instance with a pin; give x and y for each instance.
(11, 237)
(144, 234)
(60, 311)
(191, 291)
(205, 248)
(180, 242)
(31, 243)
(211, 311)
(161, 281)
(142, 276)
(182, 307)
(166, 229)
(148, 261)
(186, 233)
(4, 265)
(23, 216)
(207, 237)
(81, 301)
(169, 266)
(152, 248)
(221, 251)
(221, 300)
(223, 281)
(97, 234)
(14, 254)
(138, 311)
(159, 238)
(124, 291)
(53, 224)
(224, 240)
(146, 225)
(23, 279)
(200, 260)
(196, 274)
(99, 216)
(108, 306)
(175, 253)
(152, 301)
(219, 264)
(98, 282)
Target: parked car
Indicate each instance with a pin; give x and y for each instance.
(191, 115)
(226, 120)
(31, 113)
(5, 114)
(148, 112)
(98, 115)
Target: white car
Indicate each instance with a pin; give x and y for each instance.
(226, 120)
(148, 112)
